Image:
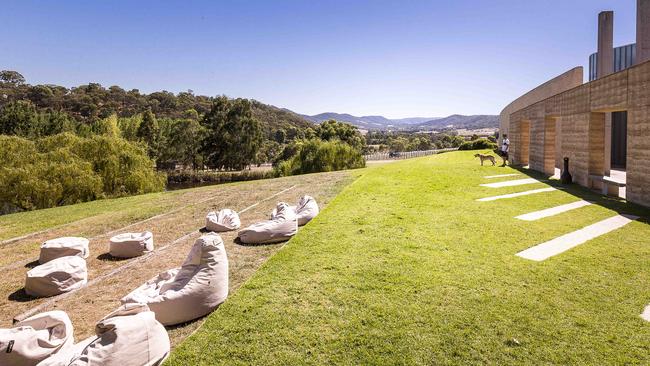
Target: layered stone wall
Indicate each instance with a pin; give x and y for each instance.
(573, 124)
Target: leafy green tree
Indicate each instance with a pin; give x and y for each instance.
(398, 144)
(129, 126)
(19, 118)
(55, 122)
(107, 126)
(149, 133)
(280, 136)
(183, 144)
(233, 136)
(321, 156)
(66, 169)
(345, 132)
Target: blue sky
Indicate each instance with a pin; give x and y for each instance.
(391, 58)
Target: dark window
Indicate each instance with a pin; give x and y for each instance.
(619, 140)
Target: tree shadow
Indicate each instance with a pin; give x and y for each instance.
(20, 296)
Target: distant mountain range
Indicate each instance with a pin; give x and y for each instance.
(455, 121)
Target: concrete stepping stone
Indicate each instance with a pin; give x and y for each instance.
(565, 242)
(552, 211)
(510, 183)
(501, 176)
(518, 194)
(646, 313)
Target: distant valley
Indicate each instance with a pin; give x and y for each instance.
(455, 121)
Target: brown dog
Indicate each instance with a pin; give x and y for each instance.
(486, 157)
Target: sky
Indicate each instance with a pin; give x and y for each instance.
(373, 57)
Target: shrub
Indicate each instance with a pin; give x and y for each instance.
(66, 169)
(194, 178)
(478, 144)
(315, 155)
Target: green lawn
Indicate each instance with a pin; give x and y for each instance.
(405, 267)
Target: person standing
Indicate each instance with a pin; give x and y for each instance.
(505, 147)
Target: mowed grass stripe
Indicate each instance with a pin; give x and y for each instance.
(405, 267)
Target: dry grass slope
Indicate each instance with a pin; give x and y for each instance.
(176, 231)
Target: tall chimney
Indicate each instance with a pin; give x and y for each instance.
(642, 31)
(605, 58)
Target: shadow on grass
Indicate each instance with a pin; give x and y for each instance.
(184, 324)
(239, 242)
(616, 204)
(32, 264)
(20, 296)
(107, 257)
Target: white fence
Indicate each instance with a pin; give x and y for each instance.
(405, 155)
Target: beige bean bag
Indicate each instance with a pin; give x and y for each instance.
(191, 291)
(129, 336)
(305, 210)
(36, 338)
(129, 245)
(56, 276)
(63, 247)
(224, 220)
(282, 227)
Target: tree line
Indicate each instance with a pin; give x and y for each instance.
(160, 131)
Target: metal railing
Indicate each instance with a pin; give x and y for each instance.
(405, 154)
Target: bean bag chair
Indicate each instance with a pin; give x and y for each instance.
(129, 245)
(224, 220)
(36, 338)
(56, 276)
(305, 210)
(129, 336)
(63, 247)
(191, 291)
(282, 227)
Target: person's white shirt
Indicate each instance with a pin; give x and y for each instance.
(506, 145)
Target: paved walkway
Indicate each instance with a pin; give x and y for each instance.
(565, 242)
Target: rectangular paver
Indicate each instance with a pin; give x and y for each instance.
(518, 194)
(510, 183)
(552, 211)
(501, 176)
(565, 242)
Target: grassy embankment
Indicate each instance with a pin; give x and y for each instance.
(406, 267)
(174, 233)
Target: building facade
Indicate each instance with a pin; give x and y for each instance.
(601, 125)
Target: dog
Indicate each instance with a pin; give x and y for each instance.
(486, 157)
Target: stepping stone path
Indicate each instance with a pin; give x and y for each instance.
(501, 176)
(552, 211)
(518, 194)
(565, 242)
(510, 183)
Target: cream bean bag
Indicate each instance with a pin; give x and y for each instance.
(56, 276)
(129, 336)
(282, 227)
(191, 291)
(305, 210)
(36, 338)
(63, 247)
(129, 245)
(224, 220)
